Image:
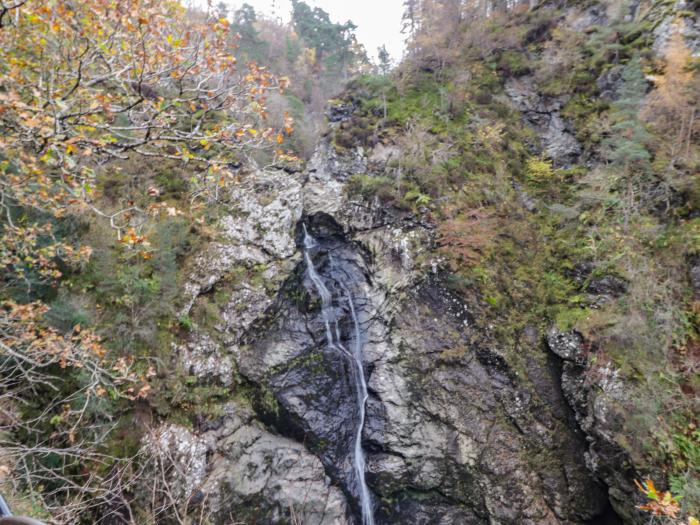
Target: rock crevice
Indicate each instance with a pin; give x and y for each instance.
(453, 433)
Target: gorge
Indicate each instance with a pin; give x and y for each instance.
(463, 291)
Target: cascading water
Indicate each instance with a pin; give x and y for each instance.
(334, 342)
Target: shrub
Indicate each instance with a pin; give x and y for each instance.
(368, 186)
(538, 169)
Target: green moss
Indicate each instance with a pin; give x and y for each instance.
(172, 183)
(186, 322)
(267, 402)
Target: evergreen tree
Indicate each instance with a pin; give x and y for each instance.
(627, 150)
(332, 42)
(222, 10)
(627, 144)
(250, 45)
(384, 60)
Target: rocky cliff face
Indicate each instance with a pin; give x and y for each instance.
(454, 433)
(456, 430)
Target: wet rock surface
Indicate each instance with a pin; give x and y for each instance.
(454, 433)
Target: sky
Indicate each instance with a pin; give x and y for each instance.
(378, 21)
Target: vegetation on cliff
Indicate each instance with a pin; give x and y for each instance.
(86, 88)
(553, 147)
(122, 125)
(602, 240)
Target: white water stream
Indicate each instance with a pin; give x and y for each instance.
(355, 356)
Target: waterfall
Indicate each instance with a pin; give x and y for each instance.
(361, 388)
(334, 342)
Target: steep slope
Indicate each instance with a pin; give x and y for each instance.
(524, 291)
(452, 434)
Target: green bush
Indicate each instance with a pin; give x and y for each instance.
(369, 187)
(514, 63)
(539, 169)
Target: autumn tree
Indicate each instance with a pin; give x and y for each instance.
(82, 85)
(671, 106)
(410, 19)
(317, 53)
(438, 29)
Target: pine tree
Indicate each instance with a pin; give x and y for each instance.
(627, 145)
(332, 42)
(627, 150)
(384, 60)
(250, 45)
(222, 10)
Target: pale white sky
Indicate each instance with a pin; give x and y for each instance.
(378, 21)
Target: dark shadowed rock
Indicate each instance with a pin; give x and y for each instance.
(610, 82)
(694, 275)
(339, 111)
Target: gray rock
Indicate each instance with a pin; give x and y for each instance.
(590, 17)
(242, 470)
(433, 416)
(543, 114)
(259, 229)
(567, 345)
(202, 357)
(609, 285)
(530, 203)
(599, 289)
(453, 433)
(694, 275)
(689, 27)
(596, 404)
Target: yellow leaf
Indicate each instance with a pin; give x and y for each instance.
(651, 490)
(253, 132)
(693, 521)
